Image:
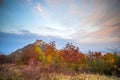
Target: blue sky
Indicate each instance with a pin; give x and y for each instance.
(88, 24)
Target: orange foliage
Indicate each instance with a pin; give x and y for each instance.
(71, 54)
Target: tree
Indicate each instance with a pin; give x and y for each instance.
(71, 53)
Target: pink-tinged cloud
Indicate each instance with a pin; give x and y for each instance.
(87, 21)
(103, 32)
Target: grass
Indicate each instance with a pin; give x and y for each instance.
(25, 72)
(82, 76)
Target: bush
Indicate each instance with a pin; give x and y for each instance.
(9, 72)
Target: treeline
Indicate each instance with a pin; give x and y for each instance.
(67, 60)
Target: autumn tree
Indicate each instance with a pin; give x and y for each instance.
(71, 56)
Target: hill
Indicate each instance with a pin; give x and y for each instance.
(44, 58)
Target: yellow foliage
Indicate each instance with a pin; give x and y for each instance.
(49, 59)
(37, 49)
(109, 58)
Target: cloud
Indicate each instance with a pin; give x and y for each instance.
(100, 24)
(59, 3)
(10, 41)
(43, 11)
(87, 22)
(40, 8)
(53, 31)
(24, 32)
(80, 20)
(29, 1)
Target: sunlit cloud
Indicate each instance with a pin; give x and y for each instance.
(50, 31)
(82, 21)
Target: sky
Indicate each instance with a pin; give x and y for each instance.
(89, 24)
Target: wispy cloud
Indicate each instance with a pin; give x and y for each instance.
(84, 21)
(42, 11)
(40, 8)
(98, 25)
(80, 20)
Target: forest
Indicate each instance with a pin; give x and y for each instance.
(42, 60)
